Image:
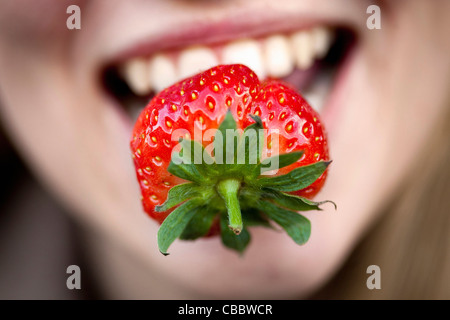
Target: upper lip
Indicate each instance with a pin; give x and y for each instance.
(223, 30)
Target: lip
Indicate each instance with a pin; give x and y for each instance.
(229, 28)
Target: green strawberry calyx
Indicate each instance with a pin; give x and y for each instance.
(235, 192)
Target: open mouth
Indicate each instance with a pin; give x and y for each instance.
(308, 59)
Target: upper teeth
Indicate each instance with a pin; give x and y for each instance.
(247, 52)
(273, 56)
(279, 58)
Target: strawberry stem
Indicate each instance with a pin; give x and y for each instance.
(228, 190)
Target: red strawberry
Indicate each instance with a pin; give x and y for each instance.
(223, 196)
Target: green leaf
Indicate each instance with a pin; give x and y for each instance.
(250, 147)
(283, 160)
(200, 224)
(225, 145)
(192, 163)
(297, 179)
(296, 225)
(252, 217)
(293, 202)
(178, 194)
(230, 239)
(258, 122)
(227, 123)
(192, 152)
(183, 170)
(173, 226)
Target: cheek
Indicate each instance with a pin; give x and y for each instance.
(35, 25)
(75, 141)
(382, 121)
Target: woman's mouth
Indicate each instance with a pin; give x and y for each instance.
(308, 59)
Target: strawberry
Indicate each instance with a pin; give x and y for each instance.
(205, 148)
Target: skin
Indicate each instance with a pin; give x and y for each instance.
(76, 139)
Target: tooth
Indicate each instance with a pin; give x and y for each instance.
(161, 72)
(194, 60)
(322, 41)
(303, 49)
(278, 56)
(135, 74)
(246, 52)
